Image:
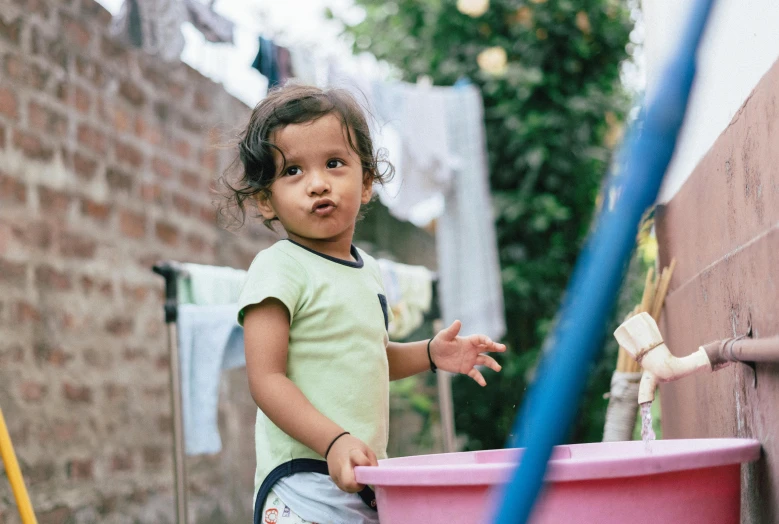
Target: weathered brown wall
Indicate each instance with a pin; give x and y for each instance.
(723, 229)
(105, 167)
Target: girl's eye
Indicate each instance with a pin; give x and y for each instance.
(332, 164)
(291, 171)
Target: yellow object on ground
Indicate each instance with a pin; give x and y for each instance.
(14, 475)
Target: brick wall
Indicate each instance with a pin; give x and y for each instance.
(105, 167)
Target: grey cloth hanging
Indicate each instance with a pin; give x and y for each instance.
(152, 25)
(466, 244)
(215, 27)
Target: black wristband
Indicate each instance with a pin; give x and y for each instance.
(333, 442)
(433, 367)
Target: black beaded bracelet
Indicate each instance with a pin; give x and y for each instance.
(433, 367)
(333, 442)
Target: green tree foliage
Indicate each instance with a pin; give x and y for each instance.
(552, 115)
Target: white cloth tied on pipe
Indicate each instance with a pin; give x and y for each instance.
(623, 406)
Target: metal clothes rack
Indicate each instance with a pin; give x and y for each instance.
(171, 271)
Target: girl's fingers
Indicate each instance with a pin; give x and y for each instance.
(477, 376)
(451, 332)
(486, 360)
(357, 457)
(372, 458)
(494, 346)
(484, 342)
(347, 481)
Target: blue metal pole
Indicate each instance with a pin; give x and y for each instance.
(551, 404)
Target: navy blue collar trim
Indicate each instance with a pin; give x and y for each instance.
(358, 263)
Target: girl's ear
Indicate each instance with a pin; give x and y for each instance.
(367, 188)
(265, 207)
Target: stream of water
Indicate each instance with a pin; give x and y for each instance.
(647, 432)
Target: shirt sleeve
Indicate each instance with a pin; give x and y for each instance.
(273, 275)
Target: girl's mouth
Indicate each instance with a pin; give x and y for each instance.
(323, 207)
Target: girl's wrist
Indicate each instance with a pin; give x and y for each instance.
(433, 367)
(333, 441)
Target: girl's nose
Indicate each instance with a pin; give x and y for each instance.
(317, 183)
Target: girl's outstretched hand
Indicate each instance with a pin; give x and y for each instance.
(462, 354)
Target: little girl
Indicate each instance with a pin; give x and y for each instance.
(314, 312)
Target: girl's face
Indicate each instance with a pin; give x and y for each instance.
(318, 195)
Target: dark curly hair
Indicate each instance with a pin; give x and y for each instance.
(252, 172)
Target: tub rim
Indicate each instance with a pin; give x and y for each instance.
(667, 456)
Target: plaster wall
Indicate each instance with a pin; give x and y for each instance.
(723, 228)
(739, 46)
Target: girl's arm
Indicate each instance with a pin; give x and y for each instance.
(266, 336)
(407, 359)
(448, 352)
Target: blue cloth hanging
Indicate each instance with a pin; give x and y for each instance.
(266, 62)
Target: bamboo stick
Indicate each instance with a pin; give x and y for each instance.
(621, 359)
(649, 291)
(662, 290)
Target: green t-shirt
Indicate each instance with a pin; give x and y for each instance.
(337, 344)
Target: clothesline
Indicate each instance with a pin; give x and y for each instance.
(173, 38)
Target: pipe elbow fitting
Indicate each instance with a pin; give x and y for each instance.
(647, 387)
(640, 337)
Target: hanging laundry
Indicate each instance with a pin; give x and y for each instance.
(273, 62)
(409, 291)
(424, 167)
(265, 61)
(153, 25)
(210, 341)
(215, 27)
(209, 285)
(470, 286)
(284, 61)
(304, 66)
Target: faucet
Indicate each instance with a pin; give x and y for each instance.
(641, 338)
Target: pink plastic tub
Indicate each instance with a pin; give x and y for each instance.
(690, 481)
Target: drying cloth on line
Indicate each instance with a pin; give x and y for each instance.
(273, 62)
(409, 291)
(305, 65)
(623, 406)
(215, 27)
(153, 25)
(210, 285)
(265, 61)
(284, 62)
(423, 170)
(210, 340)
(470, 286)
